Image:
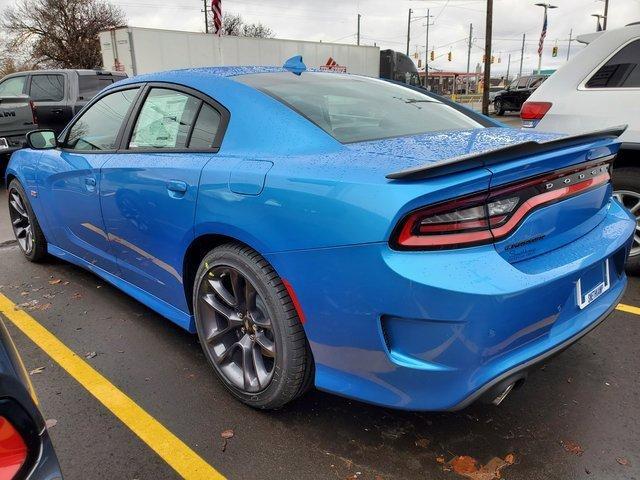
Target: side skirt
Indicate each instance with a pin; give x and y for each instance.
(174, 314)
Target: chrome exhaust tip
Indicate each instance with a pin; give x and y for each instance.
(498, 400)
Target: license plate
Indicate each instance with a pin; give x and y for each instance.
(584, 299)
(3, 144)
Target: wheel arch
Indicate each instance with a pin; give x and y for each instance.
(628, 157)
(198, 249)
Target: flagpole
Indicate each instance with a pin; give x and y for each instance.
(543, 34)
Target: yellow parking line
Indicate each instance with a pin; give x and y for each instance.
(170, 448)
(628, 308)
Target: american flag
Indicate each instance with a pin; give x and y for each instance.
(216, 8)
(543, 34)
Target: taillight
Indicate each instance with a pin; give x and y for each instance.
(34, 113)
(532, 112)
(486, 217)
(13, 450)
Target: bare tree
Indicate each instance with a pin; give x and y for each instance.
(233, 24)
(60, 33)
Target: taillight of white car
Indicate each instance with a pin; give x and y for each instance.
(532, 112)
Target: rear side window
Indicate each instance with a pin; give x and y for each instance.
(165, 120)
(536, 82)
(205, 129)
(47, 88)
(522, 82)
(12, 86)
(90, 85)
(621, 71)
(98, 127)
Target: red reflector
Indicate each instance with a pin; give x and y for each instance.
(294, 299)
(13, 451)
(534, 110)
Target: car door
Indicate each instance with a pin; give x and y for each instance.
(149, 189)
(47, 91)
(69, 179)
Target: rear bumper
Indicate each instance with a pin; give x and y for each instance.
(436, 330)
(520, 372)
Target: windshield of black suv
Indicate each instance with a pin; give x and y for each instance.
(355, 109)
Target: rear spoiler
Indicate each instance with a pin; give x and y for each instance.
(504, 154)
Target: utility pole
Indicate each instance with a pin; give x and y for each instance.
(570, 40)
(487, 58)
(426, 53)
(598, 24)
(606, 14)
(359, 28)
(206, 19)
(546, 7)
(521, 55)
(408, 31)
(469, 56)
(508, 68)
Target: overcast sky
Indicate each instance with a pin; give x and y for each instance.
(384, 22)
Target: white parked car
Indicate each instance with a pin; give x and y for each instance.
(599, 88)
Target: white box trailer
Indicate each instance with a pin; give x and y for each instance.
(143, 50)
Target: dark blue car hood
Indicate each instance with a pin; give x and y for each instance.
(439, 146)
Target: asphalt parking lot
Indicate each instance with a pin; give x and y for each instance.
(575, 418)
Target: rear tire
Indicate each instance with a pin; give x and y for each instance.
(498, 107)
(249, 328)
(26, 228)
(626, 188)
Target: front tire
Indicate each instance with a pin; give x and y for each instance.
(249, 329)
(498, 107)
(626, 188)
(26, 228)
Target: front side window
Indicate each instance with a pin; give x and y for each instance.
(98, 127)
(355, 109)
(522, 82)
(165, 120)
(621, 71)
(12, 86)
(47, 88)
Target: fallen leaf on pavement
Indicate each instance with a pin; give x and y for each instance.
(622, 461)
(90, 355)
(572, 447)
(226, 435)
(52, 422)
(32, 304)
(36, 370)
(55, 281)
(44, 306)
(77, 296)
(440, 460)
(422, 443)
(463, 465)
(468, 467)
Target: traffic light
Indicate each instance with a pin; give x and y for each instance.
(433, 55)
(493, 59)
(484, 58)
(554, 52)
(449, 56)
(419, 63)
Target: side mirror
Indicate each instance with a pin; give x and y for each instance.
(42, 139)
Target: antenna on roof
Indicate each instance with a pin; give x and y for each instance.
(295, 65)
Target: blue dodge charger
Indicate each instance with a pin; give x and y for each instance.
(365, 237)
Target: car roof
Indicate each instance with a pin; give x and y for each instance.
(65, 70)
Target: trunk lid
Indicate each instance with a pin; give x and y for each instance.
(544, 192)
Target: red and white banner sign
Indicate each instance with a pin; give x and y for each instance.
(332, 66)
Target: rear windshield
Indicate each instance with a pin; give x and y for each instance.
(356, 109)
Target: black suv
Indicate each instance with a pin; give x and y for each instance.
(516, 93)
(59, 94)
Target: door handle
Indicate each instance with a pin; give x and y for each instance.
(90, 183)
(57, 111)
(177, 188)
